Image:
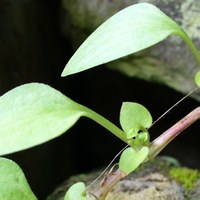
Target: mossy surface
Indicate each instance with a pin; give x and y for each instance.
(185, 176)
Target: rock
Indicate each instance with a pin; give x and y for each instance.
(151, 181)
(169, 63)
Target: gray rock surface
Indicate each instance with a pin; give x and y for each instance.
(151, 182)
(169, 62)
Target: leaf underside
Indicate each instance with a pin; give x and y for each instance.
(132, 29)
(35, 113)
(32, 114)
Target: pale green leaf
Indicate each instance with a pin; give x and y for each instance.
(13, 184)
(32, 114)
(197, 78)
(76, 192)
(132, 29)
(35, 113)
(134, 118)
(131, 159)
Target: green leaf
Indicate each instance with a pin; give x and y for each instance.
(131, 159)
(32, 114)
(35, 113)
(197, 79)
(132, 29)
(76, 192)
(134, 118)
(13, 184)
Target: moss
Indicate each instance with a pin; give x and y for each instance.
(185, 176)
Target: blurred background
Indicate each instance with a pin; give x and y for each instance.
(37, 38)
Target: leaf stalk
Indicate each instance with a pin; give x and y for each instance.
(107, 124)
(190, 44)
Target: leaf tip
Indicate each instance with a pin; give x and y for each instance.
(65, 72)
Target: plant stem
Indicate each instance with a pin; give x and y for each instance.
(109, 182)
(163, 140)
(107, 124)
(190, 44)
(155, 147)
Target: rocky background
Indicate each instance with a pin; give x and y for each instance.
(37, 37)
(162, 178)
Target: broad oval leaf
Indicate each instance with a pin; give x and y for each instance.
(35, 113)
(197, 79)
(132, 29)
(32, 114)
(133, 118)
(13, 183)
(76, 192)
(131, 159)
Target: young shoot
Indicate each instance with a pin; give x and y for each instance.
(35, 113)
(133, 29)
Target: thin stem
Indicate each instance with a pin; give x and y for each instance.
(155, 147)
(104, 171)
(163, 140)
(191, 45)
(107, 124)
(174, 106)
(109, 182)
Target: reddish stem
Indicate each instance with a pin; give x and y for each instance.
(155, 147)
(108, 183)
(163, 140)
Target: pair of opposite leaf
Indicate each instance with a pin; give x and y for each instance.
(35, 113)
